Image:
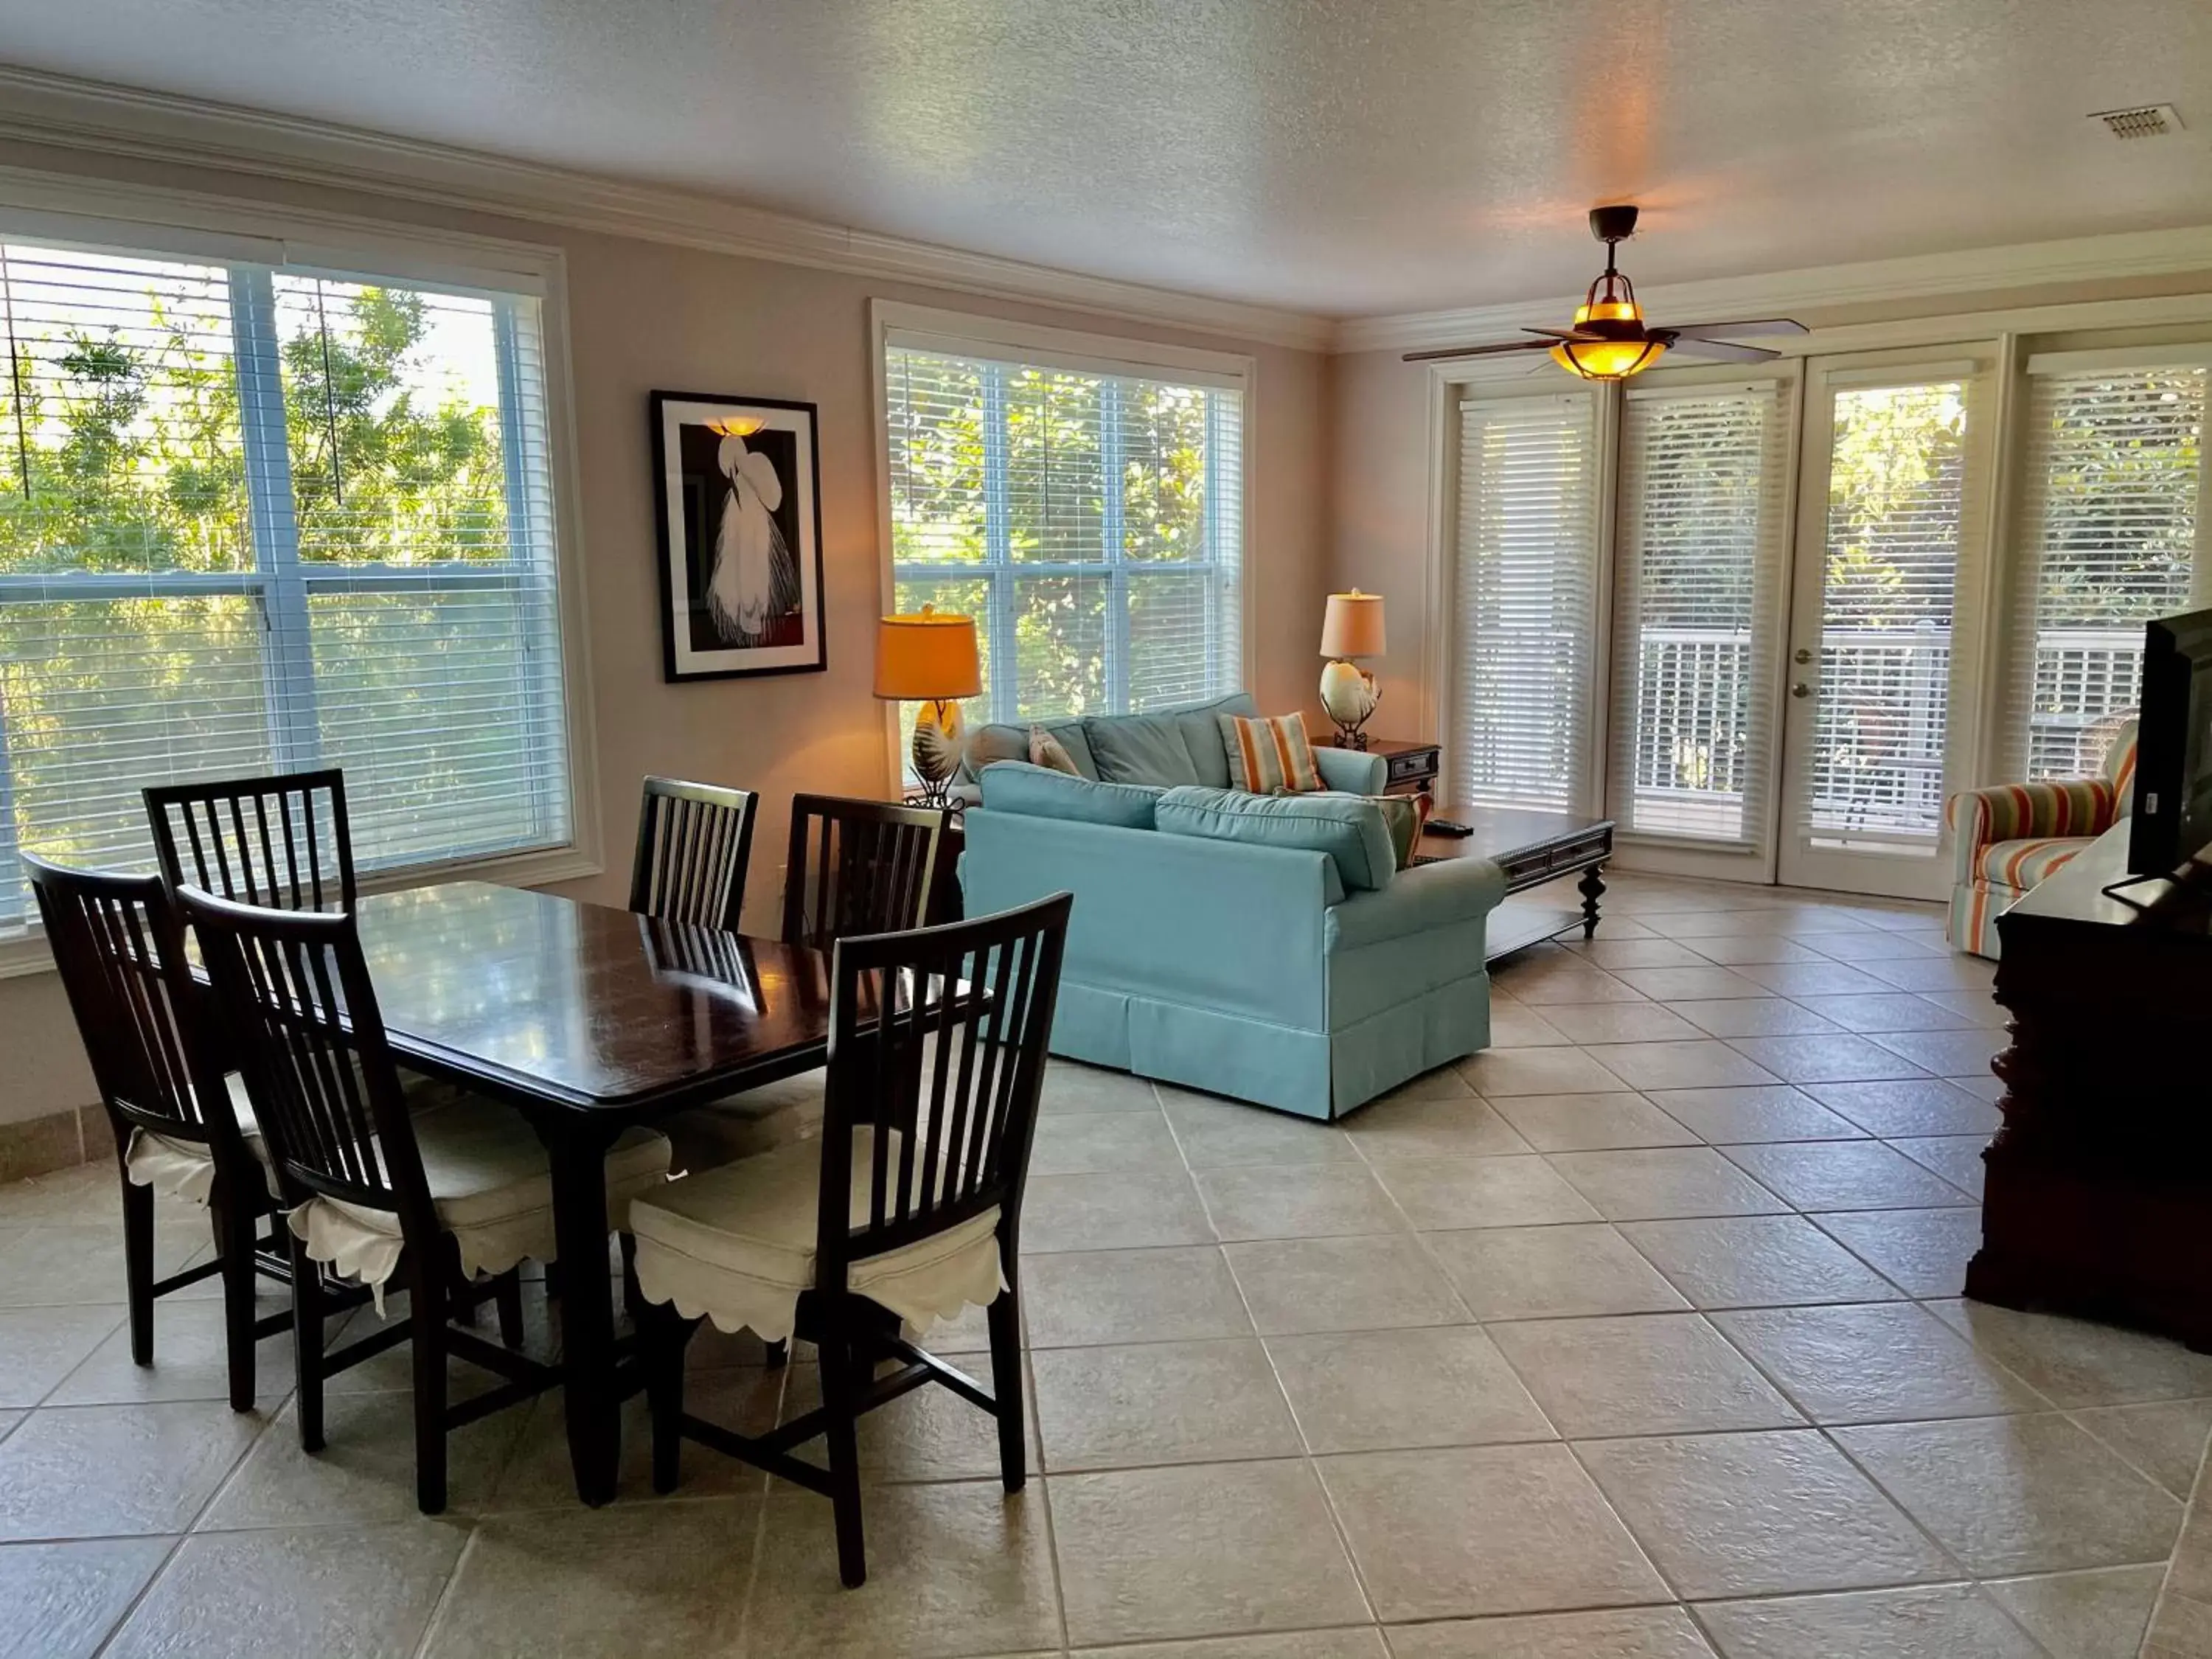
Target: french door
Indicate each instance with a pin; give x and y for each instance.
(1886, 622)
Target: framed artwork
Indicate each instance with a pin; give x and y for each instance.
(740, 519)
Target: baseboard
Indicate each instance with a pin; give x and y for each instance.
(37, 1146)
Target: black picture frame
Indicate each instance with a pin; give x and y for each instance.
(741, 586)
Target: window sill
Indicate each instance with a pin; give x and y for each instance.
(26, 953)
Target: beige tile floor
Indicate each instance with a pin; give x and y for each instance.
(1637, 1336)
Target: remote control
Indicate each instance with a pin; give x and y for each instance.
(1451, 826)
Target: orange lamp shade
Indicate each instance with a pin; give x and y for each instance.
(926, 657)
(1609, 360)
(1353, 626)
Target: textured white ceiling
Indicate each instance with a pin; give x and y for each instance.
(1342, 156)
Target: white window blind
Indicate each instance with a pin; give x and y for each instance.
(1703, 544)
(2111, 529)
(1525, 586)
(253, 520)
(1091, 522)
(1890, 566)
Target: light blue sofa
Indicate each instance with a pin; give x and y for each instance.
(1253, 947)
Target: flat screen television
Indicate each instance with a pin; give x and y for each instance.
(2172, 811)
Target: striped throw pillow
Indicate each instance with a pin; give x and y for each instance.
(1270, 756)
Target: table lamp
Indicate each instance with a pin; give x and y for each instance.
(930, 657)
(1351, 629)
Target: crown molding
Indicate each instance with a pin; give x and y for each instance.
(1929, 275)
(96, 118)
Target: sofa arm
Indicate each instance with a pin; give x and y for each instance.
(2024, 811)
(1440, 895)
(1351, 771)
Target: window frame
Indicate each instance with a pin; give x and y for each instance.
(894, 324)
(136, 222)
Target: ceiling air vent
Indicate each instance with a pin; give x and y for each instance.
(2144, 121)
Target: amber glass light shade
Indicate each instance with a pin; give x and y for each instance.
(926, 657)
(1607, 360)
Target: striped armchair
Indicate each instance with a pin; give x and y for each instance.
(2005, 840)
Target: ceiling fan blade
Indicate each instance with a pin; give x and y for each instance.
(1747, 325)
(1722, 348)
(1476, 351)
(1564, 333)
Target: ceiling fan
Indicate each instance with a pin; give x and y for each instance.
(1609, 340)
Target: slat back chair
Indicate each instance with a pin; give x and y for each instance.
(859, 867)
(281, 841)
(937, 1047)
(694, 842)
(119, 944)
(301, 1016)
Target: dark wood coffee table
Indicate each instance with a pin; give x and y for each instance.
(1532, 849)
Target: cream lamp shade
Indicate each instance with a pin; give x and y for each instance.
(926, 657)
(1353, 626)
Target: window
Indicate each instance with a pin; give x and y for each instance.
(2115, 469)
(253, 519)
(1524, 605)
(1701, 545)
(1090, 520)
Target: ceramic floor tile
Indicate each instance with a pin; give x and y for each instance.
(1121, 1210)
(1641, 1374)
(1379, 1390)
(1563, 978)
(1947, 1621)
(1147, 1554)
(1947, 1053)
(1765, 1111)
(1515, 1025)
(1176, 1294)
(538, 1474)
(1293, 1286)
(1076, 1143)
(1948, 972)
(366, 1593)
(1707, 979)
(40, 1346)
(1662, 1183)
(60, 1601)
(1619, 1021)
(1491, 1529)
(1630, 1633)
(1755, 1262)
(1748, 950)
(1755, 1015)
(1163, 1402)
(2181, 1628)
(1881, 945)
(1436, 1126)
(1820, 977)
(2097, 1615)
(2013, 1495)
(157, 1466)
(1550, 1273)
(1978, 1005)
(1297, 1201)
(1347, 1642)
(79, 1195)
(1845, 1175)
(1833, 1057)
(1916, 1106)
(1069, 1086)
(1957, 1159)
(1216, 1134)
(2079, 1362)
(1497, 1072)
(51, 1264)
(1702, 1065)
(1574, 1123)
(1923, 1252)
(1875, 1363)
(1481, 1192)
(2165, 1440)
(1614, 954)
(1890, 1010)
(1759, 1515)
(191, 1359)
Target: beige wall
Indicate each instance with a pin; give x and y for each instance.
(643, 316)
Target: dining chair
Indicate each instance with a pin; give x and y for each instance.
(280, 841)
(379, 1186)
(693, 841)
(182, 1127)
(905, 1211)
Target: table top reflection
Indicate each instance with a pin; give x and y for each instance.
(549, 999)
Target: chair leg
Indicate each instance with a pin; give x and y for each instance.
(1005, 1317)
(779, 1355)
(236, 1228)
(429, 1309)
(633, 1298)
(840, 1388)
(307, 1343)
(507, 1294)
(138, 1267)
(667, 1335)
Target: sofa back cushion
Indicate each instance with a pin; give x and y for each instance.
(1040, 792)
(996, 742)
(1350, 832)
(1201, 735)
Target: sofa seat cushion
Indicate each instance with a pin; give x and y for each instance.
(1141, 749)
(737, 1245)
(2022, 865)
(1041, 792)
(1348, 830)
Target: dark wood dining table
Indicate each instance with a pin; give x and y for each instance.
(588, 1020)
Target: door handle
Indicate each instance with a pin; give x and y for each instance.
(1801, 690)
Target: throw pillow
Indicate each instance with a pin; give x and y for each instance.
(1405, 816)
(1269, 757)
(1046, 750)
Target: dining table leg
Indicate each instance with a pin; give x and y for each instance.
(578, 1154)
